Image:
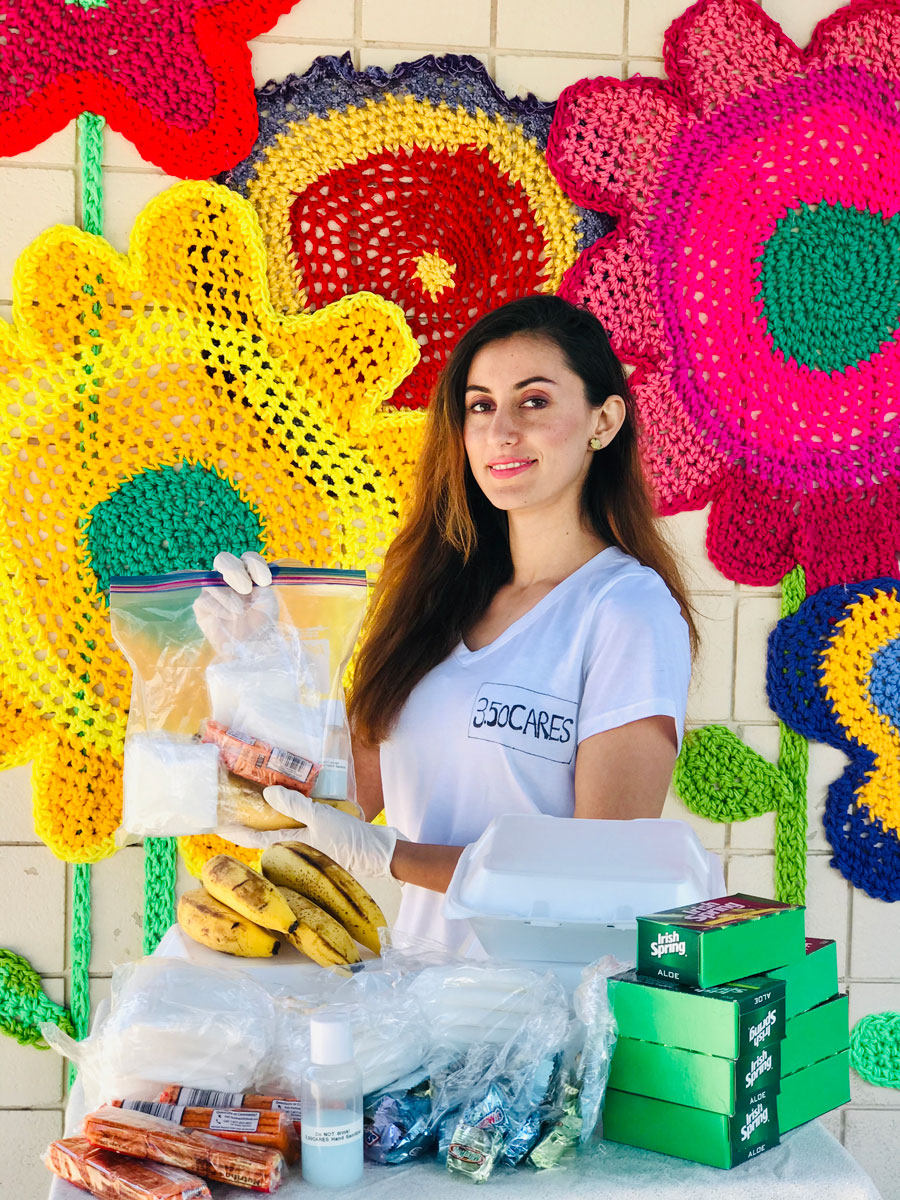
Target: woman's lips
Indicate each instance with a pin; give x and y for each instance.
(506, 468)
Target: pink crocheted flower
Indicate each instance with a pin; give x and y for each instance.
(173, 76)
(754, 278)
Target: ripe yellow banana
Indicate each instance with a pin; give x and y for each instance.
(318, 935)
(212, 923)
(241, 803)
(248, 893)
(318, 877)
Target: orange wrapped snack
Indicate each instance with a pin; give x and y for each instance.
(144, 1136)
(253, 1127)
(204, 1098)
(114, 1177)
(259, 761)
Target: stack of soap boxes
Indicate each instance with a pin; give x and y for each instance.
(731, 1032)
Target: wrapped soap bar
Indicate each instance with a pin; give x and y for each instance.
(204, 1098)
(254, 1127)
(247, 756)
(170, 785)
(143, 1136)
(116, 1177)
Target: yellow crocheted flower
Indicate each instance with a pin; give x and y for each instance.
(157, 408)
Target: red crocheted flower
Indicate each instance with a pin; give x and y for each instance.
(172, 76)
(427, 186)
(754, 278)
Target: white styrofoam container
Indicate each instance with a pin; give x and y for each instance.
(545, 889)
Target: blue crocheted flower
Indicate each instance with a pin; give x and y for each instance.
(834, 676)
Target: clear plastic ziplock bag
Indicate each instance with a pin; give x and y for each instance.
(231, 693)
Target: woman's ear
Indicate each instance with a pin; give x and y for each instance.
(609, 418)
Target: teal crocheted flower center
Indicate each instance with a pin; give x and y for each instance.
(169, 519)
(831, 284)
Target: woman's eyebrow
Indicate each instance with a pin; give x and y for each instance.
(476, 387)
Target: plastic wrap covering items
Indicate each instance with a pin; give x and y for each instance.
(231, 693)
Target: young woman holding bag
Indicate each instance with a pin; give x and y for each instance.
(529, 641)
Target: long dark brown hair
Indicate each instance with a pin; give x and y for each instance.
(452, 553)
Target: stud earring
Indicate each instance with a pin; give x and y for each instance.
(596, 443)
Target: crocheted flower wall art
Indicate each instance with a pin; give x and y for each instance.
(172, 77)
(753, 278)
(427, 186)
(157, 409)
(834, 676)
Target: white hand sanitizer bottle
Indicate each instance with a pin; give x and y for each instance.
(331, 1128)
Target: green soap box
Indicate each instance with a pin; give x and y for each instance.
(693, 1133)
(815, 1090)
(721, 1085)
(816, 1033)
(731, 1021)
(812, 978)
(719, 941)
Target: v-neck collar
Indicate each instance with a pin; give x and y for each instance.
(462, 652)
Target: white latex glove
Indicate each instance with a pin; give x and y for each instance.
(240, 612)
(362, 849)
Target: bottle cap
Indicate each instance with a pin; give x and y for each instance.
(330, 1039)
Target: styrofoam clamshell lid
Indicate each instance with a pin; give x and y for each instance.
(530, 866)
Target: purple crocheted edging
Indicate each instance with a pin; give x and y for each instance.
(332, 84)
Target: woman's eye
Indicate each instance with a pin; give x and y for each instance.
(479, 406)
(536, 401)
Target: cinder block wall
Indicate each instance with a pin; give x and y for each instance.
(528, 45)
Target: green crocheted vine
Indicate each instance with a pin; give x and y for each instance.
(875, 1049)
(24, 1004)
(720, 778)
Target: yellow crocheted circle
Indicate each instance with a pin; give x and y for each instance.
(434, 273)
(196, 850)
(846, 669)
(317, 146)
(169, 356)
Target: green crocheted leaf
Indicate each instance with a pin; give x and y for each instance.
(718, 777)
(24, 1003)
(875, 1049)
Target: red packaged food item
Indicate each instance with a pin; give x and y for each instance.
(114, 1177)
(253, 1127)
(247, 756)
(162, 1141)
(205, 1098)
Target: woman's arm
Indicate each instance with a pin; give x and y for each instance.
(424, 864)
(625, 772)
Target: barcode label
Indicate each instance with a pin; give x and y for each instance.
(240, 736)
(291, 765)
(168, 1112)
(200, 1098)
(242, 1120)
(291, 1107)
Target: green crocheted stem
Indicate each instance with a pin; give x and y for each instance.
(90, 158)
(875, 1049)
(793, 766)
(80, 982)
(159, 889)
(24, 1004)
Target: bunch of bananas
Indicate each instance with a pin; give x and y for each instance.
(302, 895)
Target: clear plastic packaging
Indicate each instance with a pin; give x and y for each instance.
(593, 1009)
(238, 672)
(170, 1019)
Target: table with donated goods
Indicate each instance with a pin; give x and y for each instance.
(809, 1164)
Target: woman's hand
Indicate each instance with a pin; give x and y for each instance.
(362, 849)
(240, 612)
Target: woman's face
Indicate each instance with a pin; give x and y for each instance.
(528, 425)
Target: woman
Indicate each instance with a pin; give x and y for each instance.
(528, 645)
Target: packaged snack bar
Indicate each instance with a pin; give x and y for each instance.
(253, 1127)
(204, 1098)
(143, 1136)
(115, 1177)
(250, 758)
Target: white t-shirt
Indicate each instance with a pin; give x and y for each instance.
(495, 730)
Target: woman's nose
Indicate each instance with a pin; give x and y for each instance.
(504, 427)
